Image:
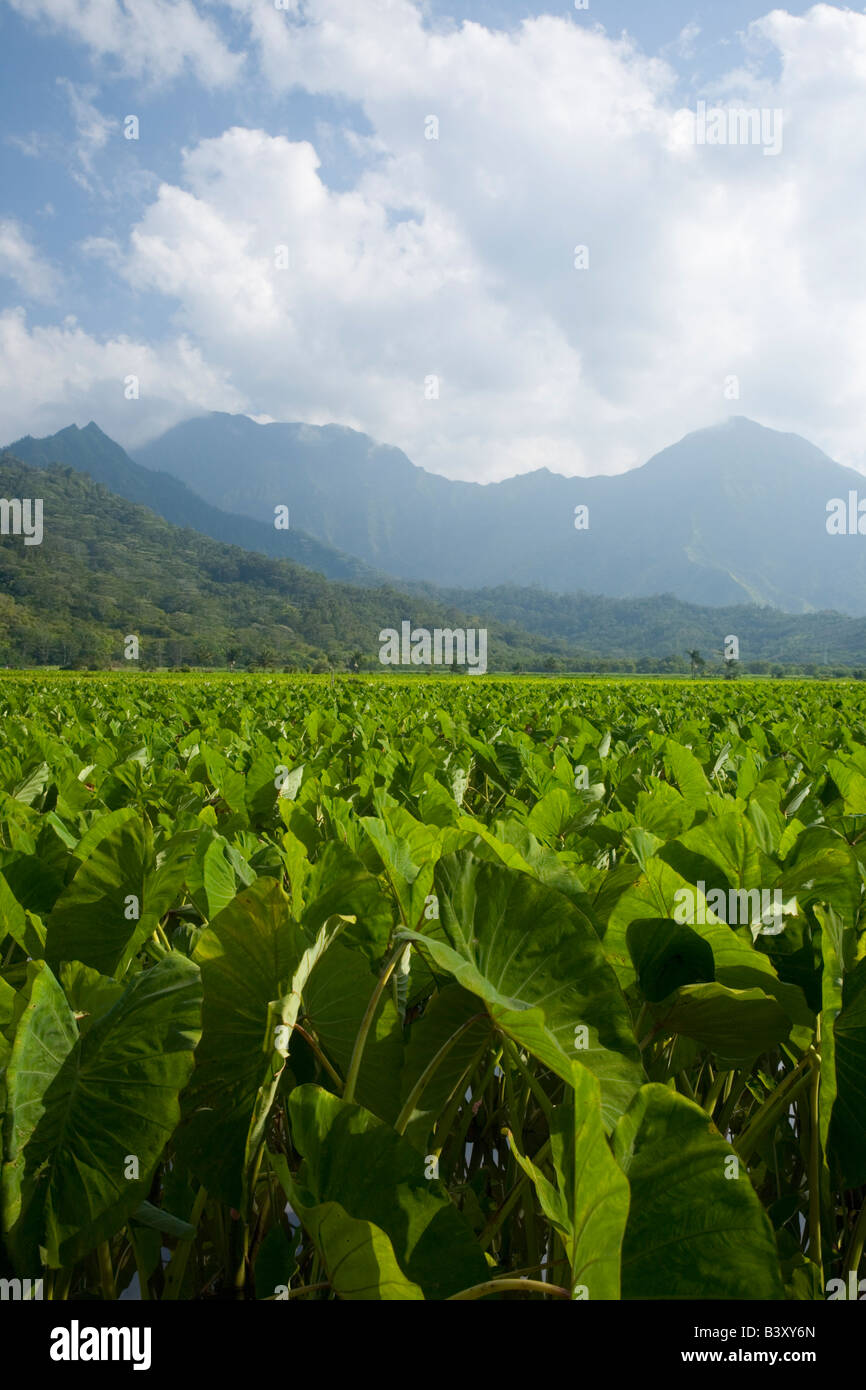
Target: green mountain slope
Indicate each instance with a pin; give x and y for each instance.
(108, 568)
(623, 629)
(91, 451)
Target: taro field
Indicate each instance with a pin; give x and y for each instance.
(419, 989)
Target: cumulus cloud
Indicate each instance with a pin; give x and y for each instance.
(20, 262)
(434, 299)
(52, 376)
(155, 39)
(454, 257)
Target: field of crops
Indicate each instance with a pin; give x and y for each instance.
(432, 989)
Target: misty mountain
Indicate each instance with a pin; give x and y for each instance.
(106, 567)
(731, 514)
(90, 451)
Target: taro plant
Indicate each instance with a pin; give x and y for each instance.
(319, 990)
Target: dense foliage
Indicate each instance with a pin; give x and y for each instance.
(383, 990)
(108, 567)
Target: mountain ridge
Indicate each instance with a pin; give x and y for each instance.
(90, 450)
(734, 512)
(108, 567)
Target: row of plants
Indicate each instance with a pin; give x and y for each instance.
(383, 990)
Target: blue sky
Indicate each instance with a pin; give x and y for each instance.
(716, 282)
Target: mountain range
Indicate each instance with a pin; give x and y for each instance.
(143, 551)
(108, 568)
(90, 451)
(731, 514)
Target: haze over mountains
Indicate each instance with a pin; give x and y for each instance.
(731, 514)
(108, 567)
(724, 532)
(90, 451)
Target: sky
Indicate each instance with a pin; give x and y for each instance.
(499, 236)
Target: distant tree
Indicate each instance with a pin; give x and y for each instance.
(697, 661)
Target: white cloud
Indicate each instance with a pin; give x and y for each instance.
(19, 261)
(79, 153)
(93, 129)
(51, 376)
(454, 257)
(684, 44)
(155, 39)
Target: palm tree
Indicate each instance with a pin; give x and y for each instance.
(697, 661)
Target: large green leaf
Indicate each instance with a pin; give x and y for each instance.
(335, 1000)
(376, 1176)
(338, 884)
(738, 965)
(847, 1137)
(688, 774)
(20, 925)
(100, 911)
(696, 1228)
(255, 960)
(116, 898)
(736, 1024)
(358, 1257)
(449, 1036)
(851, 783)
(727, 845)
(589, 1203)
(667, 955)
(80, 1108)
(408, 850)
(519, 945)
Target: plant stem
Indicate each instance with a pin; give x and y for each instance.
(855, 1249)
(318, 1053)
(715, 1091)
(176, 1268)
(532, 1082)
(815, 1163)
(443, 1132)
(367, 1021)
(496, 1220)
(736, 1087)
(511, 1286)
(106, 1273)
(424, 1079)
(143, 1286)
(773, 1107)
